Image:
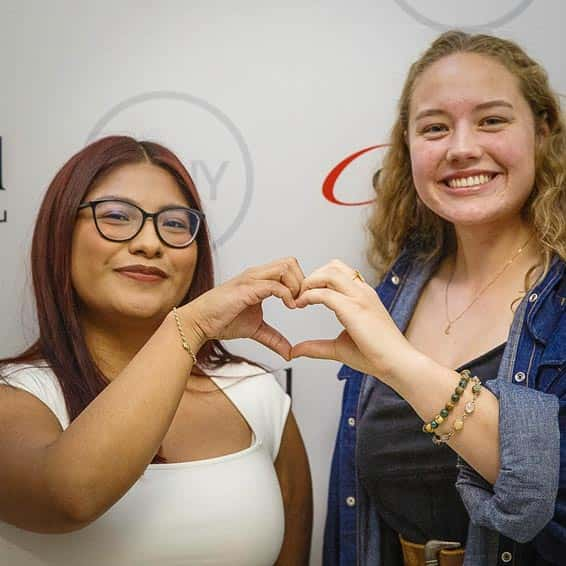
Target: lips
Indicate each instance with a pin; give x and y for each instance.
(142, 272)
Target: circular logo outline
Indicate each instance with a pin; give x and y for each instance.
(219, 115)
(497, 22)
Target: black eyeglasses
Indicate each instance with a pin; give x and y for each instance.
(119, 221)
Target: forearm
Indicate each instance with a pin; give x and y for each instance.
(427, 386)
(108, 446)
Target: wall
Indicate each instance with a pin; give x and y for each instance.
(262, 100)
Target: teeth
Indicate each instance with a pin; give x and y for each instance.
(470, 181)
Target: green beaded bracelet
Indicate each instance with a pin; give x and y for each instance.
(465, 377)
(458, 424)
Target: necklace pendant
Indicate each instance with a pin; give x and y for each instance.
(447, 329)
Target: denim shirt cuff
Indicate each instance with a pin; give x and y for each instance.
(521, 502)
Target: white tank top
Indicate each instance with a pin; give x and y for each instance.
(224, 511)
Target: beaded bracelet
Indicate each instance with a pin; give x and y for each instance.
(458, 424)
(465, 377)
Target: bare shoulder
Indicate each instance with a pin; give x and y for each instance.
(26, 396)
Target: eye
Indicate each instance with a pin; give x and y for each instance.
(117, 215)
(493, 122)
(433, 131)
(114, 216)
(174, 223)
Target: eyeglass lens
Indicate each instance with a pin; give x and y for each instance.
(121, 221)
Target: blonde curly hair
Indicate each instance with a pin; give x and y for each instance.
(400, 219)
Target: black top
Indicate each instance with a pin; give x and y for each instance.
(410, 480)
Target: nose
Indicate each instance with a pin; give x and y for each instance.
(147, 242)
(463, 146)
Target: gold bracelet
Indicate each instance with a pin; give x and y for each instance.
(186, 345)
(458, 424)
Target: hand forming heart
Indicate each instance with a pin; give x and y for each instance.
(370, 341)
(234, 310)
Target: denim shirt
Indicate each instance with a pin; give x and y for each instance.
(528, 500)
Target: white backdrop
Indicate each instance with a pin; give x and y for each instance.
(261, 100)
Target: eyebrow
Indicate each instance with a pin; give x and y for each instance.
(117, 197)
(132, 201)
(482, 106)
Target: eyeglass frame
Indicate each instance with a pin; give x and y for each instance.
(145, 215)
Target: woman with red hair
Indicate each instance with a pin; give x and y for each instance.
(127, 427)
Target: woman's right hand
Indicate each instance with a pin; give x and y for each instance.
(234, 309)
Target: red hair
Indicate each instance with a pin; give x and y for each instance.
(61, 343)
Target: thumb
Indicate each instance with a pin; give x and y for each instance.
(319, 349)
(273, 339)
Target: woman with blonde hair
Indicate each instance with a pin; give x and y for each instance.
(449, 446)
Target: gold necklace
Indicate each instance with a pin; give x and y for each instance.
(481, 292)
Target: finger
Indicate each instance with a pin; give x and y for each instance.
(328, 297)
(334, 275)
(262, 289)
(273, 339)
(285, 270)
(294, 275)
(319, 349)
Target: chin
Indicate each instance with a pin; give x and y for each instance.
(143, 311)
(475, 215)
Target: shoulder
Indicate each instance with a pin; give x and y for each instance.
(40, 381)
(259, 397)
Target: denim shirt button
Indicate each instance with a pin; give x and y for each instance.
(506, 557)
(520, 377)
(352, 422)
(395, 280)
(533, 297)
(350, 501)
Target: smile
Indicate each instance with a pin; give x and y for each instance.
(471, 181)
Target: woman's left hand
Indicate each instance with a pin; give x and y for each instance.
(370, 341)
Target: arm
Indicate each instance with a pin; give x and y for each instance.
(55, 481)
(423, 383)
(512, 440)
(293, 472)
(522, 500)
(76, 474)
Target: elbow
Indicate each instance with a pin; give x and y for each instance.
(76, 503)
(78, 515)
(527, 525)
(519, 513)
(520, 522)
(80, 508)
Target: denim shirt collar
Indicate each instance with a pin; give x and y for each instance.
(412, 277)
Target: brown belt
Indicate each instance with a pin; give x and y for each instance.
(433, 553)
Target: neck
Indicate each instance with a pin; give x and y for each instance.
(482, 252)
(113, 344)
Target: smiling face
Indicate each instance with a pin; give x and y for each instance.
(471, 137)
(141, 278)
